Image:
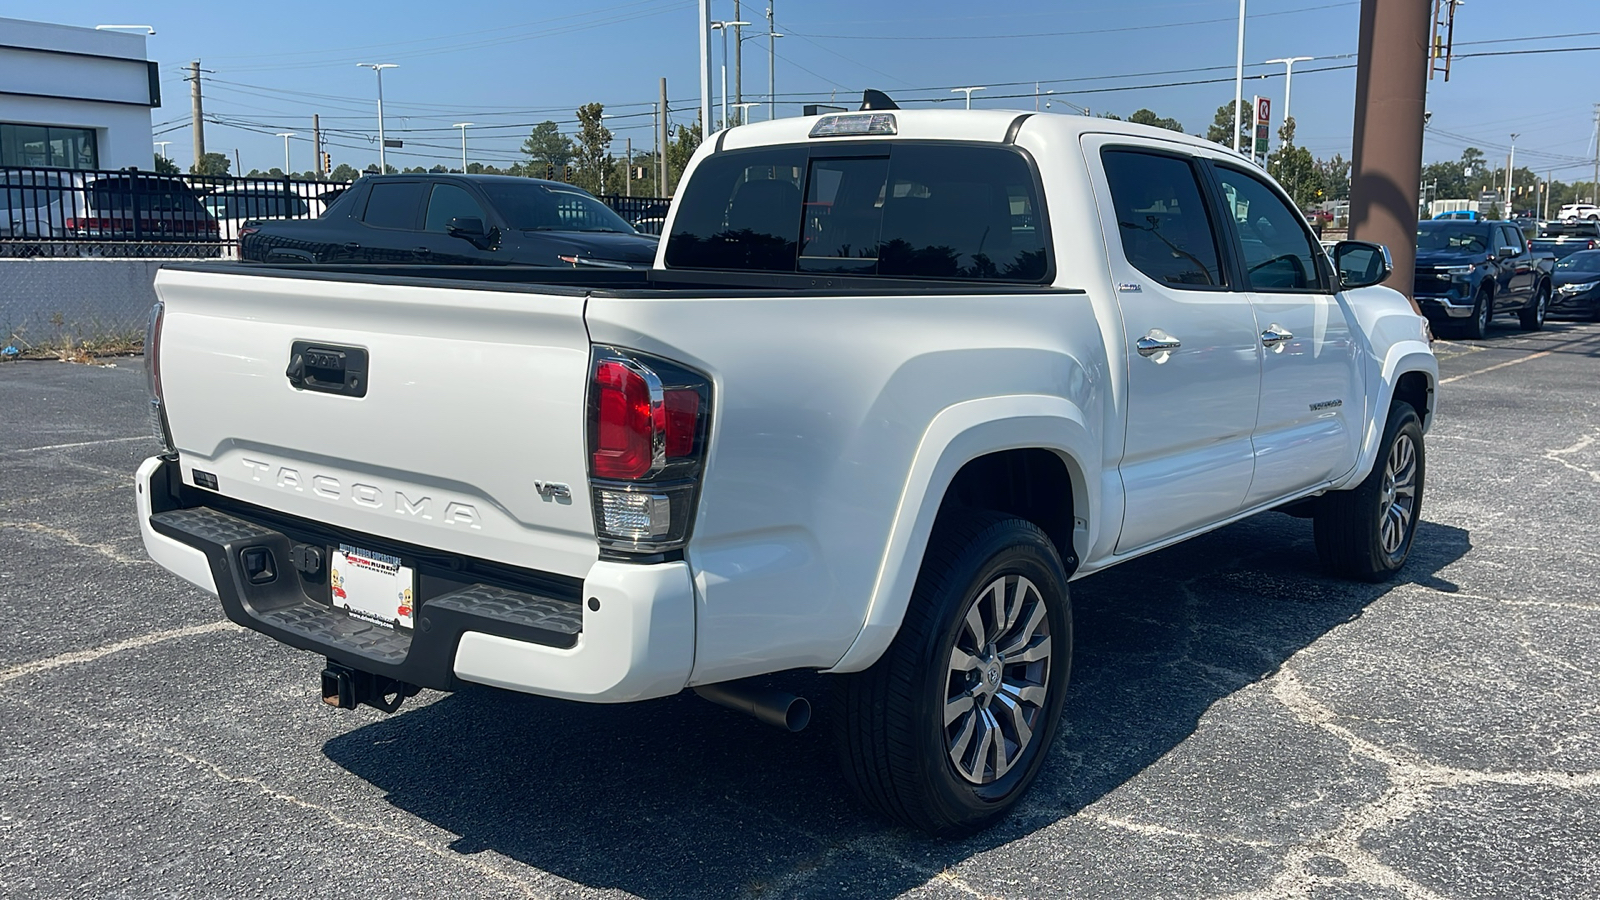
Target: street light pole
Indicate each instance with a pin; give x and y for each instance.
(383, 167)
(705, 68)
(1511, 177)
(723, 27)
(286, 135)
(1288, 79)
(163, 146)
(968, 91)
(463, 127)
(1238, 84)
(772, 65)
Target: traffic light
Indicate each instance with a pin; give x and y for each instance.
(549, 171)
(327, 163)
(566, 173)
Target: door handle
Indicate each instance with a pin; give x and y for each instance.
(422, 251)
(352, 246)
(1275, 335)
(1156, 341)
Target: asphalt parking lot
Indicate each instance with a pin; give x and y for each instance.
(1239, 726)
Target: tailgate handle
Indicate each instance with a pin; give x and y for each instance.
(327, 368)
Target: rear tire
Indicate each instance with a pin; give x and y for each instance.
(1365, 533)
(1477, 326)
(1532, 318)
(947, 730)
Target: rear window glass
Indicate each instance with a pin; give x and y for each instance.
(143, 194)
(394, 204)
(907, 211)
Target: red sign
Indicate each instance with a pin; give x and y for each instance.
(1263, 109)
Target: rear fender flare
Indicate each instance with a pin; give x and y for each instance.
(958, 434)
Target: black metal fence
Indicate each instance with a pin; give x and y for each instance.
(128, 213)
(77, 212)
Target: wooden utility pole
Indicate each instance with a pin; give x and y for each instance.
(197, 122)
(1386, 165)
(316, 147)
(661, 186)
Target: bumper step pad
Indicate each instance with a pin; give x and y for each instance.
(284, 610)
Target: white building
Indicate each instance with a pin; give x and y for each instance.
(75, 98)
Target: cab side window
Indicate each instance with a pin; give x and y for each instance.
(393, 204)
(448, 202)
(1278, 251)
(1165, 230)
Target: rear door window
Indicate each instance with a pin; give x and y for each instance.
(946, 211)
(1164, 228)
(393, 204)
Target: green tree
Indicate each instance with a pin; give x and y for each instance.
(546, 145)
(1221, 130)
(593, 154)
(1147, 117)
(344, 172)
(211, 164)
(1335, 177)
(1295, 169)
(166, 166)
(682, 147)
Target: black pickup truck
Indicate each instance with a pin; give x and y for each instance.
(1468, 272)
(455, 220)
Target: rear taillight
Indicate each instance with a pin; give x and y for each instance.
(152, 368)
(648, 422)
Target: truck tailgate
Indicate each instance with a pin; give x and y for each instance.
(472, 397)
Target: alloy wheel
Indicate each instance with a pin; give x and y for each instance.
(1398, 498)
(999, 675)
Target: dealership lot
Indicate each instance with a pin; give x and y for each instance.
(1238, 725)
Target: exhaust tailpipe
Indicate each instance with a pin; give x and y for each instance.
(776, 708)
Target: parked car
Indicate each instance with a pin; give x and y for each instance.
(1469, 272)
(234, 206)
(881, 399)
(31, 203)
(1577, 280)
(1562, 238)
(1575, 211)
(155, 208)
(456, 220)
(1470, 215)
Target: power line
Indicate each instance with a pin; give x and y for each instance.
(1042, 34)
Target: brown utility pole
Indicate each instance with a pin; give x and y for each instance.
(1386, 163)
(662, 184)
(316, 147)
(197, 122)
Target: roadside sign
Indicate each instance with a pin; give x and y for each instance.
(1263, 110)
(1263, 119)
(393, 144)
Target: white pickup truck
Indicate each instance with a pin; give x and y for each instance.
(895, 379)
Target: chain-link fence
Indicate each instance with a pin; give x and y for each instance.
(84, 304)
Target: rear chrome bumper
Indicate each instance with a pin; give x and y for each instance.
(626, 632)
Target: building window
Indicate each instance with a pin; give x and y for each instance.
(47, 145)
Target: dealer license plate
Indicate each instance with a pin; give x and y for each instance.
(372, 587)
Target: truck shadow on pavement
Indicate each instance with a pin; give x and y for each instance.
(679, 798)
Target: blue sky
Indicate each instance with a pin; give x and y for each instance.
(505, 65)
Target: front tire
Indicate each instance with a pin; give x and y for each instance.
(949, 728)
(1532, 318)
(1482, 311)
(1365, 533)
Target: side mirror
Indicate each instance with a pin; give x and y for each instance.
(1361, 264)
(1509, 251)
(465, 227)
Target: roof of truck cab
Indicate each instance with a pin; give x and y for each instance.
(986, 125)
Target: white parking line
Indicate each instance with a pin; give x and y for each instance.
(134, 643)
(1528, 358)
(120, 440)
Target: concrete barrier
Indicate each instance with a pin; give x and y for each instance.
(53, 303)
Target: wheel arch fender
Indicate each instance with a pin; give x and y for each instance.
(957, 435)
(1411, 372)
